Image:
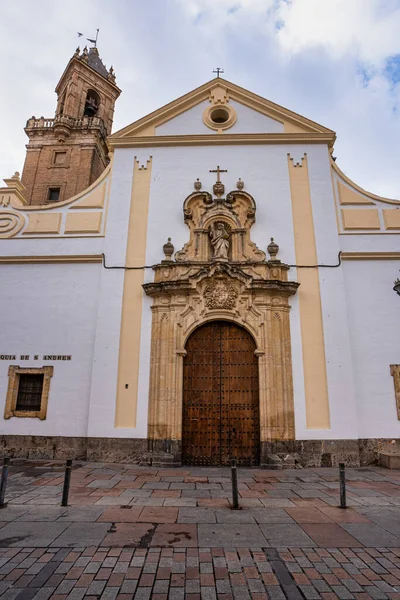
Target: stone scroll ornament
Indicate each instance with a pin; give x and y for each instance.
(220, 294)
(219, 235)
(10, 223)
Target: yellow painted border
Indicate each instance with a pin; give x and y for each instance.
(73, 258)
(370, 255)
(311, 323)
(210, 139)
(131, 320)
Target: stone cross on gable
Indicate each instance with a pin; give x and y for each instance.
(218, 70)
(218, 171)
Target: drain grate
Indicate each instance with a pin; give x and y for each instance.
(283, 575)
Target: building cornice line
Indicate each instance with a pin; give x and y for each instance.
(223, 139)
(370, 255)
(73, 258)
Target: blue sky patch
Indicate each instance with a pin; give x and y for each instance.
(392, 69)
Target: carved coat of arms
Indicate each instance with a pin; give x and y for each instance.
(220, 294)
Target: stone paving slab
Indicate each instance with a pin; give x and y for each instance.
(371, 535)
(176, 536)
(330, 534)
(82, 534)
(142, 532)
(279, 535)
(233, 536)
(128, 534)
(17, 534)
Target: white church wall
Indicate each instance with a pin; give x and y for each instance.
(369, 242)
(191, 122)
(51, 246)
(339, 368)
(251, 121)
(50, 309)
(108, 324)
(264, 170)
(373, 309)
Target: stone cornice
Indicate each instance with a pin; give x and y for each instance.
(286, 288)
(222, 140)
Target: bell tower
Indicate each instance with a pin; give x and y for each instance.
(68, 152)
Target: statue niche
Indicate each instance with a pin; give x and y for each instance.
(220, 228)
(219, 235)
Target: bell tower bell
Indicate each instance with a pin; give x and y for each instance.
(68, 152)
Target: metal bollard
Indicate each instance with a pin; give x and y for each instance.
(235, 495)
(67, 480)
(342, 477)
(3, 484)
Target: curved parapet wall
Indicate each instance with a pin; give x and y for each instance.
(83, 215)
(359, 211)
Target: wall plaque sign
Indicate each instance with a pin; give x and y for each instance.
(35, 357)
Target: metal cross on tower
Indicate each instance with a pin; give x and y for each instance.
(218, 171)
(218, 71)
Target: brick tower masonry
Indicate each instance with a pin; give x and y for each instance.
(68, 152)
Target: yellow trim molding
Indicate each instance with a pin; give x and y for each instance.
(349, 196)
(391, 218)
(370, 255)
(83, 222)
(211, 110)
(395, 372)
(365, 218)
(14, 373)
(226, 139)
(311, 323)
(73, 258)
(93, 200)
(359, 189)
(43, 223)
(131, 320)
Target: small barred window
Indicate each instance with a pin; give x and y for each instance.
(30, 390)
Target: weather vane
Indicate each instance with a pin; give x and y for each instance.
(92, 41)
(218, 71)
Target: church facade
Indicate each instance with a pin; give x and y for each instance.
(207, 285)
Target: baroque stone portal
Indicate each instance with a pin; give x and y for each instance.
(219, 274)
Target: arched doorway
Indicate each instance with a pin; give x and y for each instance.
(220, 397)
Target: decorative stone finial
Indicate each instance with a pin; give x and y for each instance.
(273, 249)
(16, 175)
(77, 51)
(111, 73)
(168, 249)
(197, 185)
(218, 189)
(240, 184)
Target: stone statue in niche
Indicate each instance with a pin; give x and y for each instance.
(219, 235)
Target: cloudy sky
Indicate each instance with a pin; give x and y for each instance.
(336, 62)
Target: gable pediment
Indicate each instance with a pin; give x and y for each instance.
(244, 113)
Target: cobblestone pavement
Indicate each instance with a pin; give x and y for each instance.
(134, 532)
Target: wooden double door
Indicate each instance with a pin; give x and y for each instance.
(220, 397)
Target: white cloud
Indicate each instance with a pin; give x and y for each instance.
(357, 27)
(308, 55)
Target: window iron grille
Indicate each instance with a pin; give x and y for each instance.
(29, 392)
